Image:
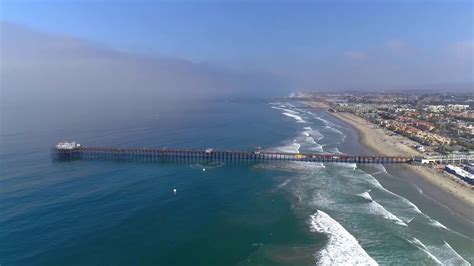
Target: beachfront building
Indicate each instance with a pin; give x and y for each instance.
(458, 107)
(435, 108)
(461, 173)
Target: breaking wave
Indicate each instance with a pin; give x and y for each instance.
(286, 182)
(334, 130)
(304, 168)
(447, 255)
(417, 243)
(293, 147)
(437, 224)
(210, 165)
(283, 108)
(374, 182)
(365, 195)
(294, 116)
(419, 189)
(377, 209)
(352, 166)
(310, 132)
(342, 248)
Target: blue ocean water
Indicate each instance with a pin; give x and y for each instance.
(88, 212)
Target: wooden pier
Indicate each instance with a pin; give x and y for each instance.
(151, 154)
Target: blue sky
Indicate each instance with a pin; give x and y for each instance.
(259, 33)
(308, 44)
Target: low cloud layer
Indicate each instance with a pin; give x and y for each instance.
(52, 76)
(56, 77)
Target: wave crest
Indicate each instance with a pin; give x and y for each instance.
(342, 248)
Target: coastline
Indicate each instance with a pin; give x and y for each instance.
(378, 141)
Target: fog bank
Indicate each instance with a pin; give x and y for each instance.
(50, 78)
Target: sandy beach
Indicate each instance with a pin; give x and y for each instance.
(382, 142)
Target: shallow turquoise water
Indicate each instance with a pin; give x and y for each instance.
(125, 213)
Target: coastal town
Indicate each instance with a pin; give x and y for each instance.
(414, 124)
(442, 123)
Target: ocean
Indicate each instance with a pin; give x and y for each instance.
(106, 212)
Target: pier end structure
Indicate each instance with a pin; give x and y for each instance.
(65, 150)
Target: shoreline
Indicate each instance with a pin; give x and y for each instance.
(386, 145)
(381, 142)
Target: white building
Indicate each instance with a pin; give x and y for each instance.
(64, 145)
(458, 107)
(436, 108)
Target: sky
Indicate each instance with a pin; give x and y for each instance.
(264, 35)
(242, 31)
(148, 51)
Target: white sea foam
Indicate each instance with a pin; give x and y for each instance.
(311, 137)
(326, 122)
(379, 172)
(437, 224)
(342, 248)
(447, 255)
(296, 117)
(286, 182)
(279, 108)
(377, 209)
(297, 147)
(334, 130)
(207, 166)
(290, 148)
(381, 168)
(366, 195)
(417, 243)
(314, 133)
(322, 120)
(303, 168)
(334, 150)
(419, 189)
(352, 166)
(317, 148)
(317, 135)
(331, 127)
(373, 181)
(283, 108)
(298, 195)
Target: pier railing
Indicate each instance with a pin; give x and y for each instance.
(149, 154)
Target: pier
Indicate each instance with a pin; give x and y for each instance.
(75, 151)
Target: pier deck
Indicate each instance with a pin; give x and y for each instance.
(215, 155)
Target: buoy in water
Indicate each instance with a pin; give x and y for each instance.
(174, 191)
(204, 169)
